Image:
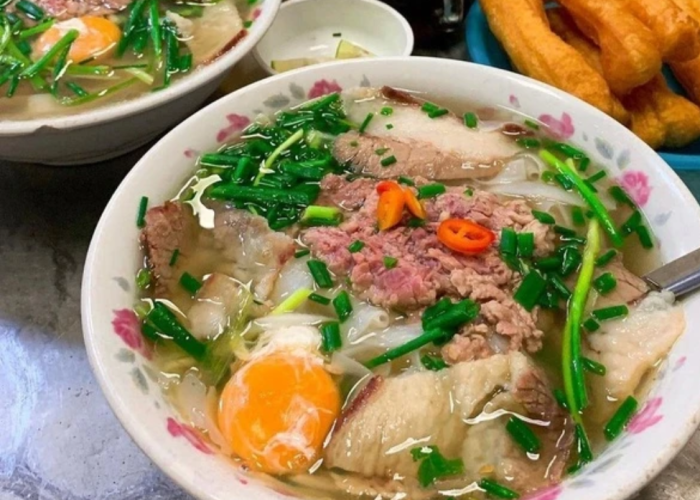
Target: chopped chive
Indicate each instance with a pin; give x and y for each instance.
(389, 160)
(77, 89)
(301, 253)
(41, 63)
(509, 241)
(431, 190)
(365, 122)
(410, 346)
(492, 488)
(315, 215)
(571, 258)
(560, 286)
(470, 120)
(543, 217)
(593, 366)
(620, 419)
(438, 113)
(454, 316)
(389, 126)
(173, 258)
(342, 306)
(337, 35)
(433, 363)
(548, 263)
(190, 283)
(604, 259)
(390, 262)
(566, 149)
(560, 397)
(247, 23)
(330, 337)
(547, 177)
(381, 151)
(293, 302)
(434, 466)
(532, 124)
(526, 244)
(577, 216)
(564, 231)
(141, 216)
(469, 192)
(597, 176)
(530, 290)
(428, 107)
(356, 246)
(37, 29)
(605, 283)
(143, 279)
(621, 196)
(320, 299)
(406, 181)
(610, 312)
(320, 273)
(583, 163)
(528, 142)
(631, 224)
(523, 435)
(591, 325)
(564, 181)
(354, 144)
(645, 237)
(30, 9)
(386, 111)
(415, 222)
(165, 321)
(584, 446)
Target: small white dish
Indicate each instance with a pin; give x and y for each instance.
(314, 28)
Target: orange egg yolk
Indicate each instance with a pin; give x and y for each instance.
(276, 412)
(97, 39)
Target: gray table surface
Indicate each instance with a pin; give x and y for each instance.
(58, 437)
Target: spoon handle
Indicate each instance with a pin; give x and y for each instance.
(681, 276)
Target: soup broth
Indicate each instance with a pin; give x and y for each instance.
(373, 295)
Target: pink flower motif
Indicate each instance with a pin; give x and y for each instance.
(191, 153)
(177, 429)
(127, 325)
(236, 123)
(636, 184)
(256, 13)
(549, 493)
(323, 87)
(514, 101)
(561, 129)
(679, 364)
(647, 417)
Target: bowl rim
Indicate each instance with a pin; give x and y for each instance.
(407, 51)
(178, 472)
(115, 111)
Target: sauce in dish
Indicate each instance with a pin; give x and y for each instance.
(374, 296)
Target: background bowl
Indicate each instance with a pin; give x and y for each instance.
(484, 48)
(115, 129)
(313, 28)
(122, 363)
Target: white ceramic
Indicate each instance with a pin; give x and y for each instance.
(115, 129)
(121, 360)
(310, 28)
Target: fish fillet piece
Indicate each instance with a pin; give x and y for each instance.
(675, 30)
(463, 410)
(441, 148)
(629, 52)
(537, 52)
(630, 347)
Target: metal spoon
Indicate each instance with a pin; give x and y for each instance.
(680, 276)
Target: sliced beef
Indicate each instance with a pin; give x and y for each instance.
(630, 347)
(463, 411)
(441, 148)
(240, 246)
(346, 195)
(67, 9)
(629, 288)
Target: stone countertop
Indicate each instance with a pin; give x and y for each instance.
(60, 439)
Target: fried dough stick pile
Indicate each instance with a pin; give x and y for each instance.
(624, 42)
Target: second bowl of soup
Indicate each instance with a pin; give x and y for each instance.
(407, 278)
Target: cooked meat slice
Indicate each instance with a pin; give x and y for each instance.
(629, 289)
(441, 148)
(462, 410)
(348, 195)
(630, 347)
(68, 9)
(214, 303)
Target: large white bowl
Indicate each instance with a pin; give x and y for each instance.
(121, 362)
(115, 129)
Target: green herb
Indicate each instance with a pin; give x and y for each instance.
(438, 113)
(571, 259)
(530, 290)
(547, 177)
(560, 397)
(620, 419)
(390, 262)
(165, 321)
(631, 224)
(509, 241)
(548, 263)
(315, 215)
(564, 231)
(621, 196)
(431, 190)
(141, 216)
(526, 244)
(389, 160)
(301, 253)
(645, 237)
(406, 181)
(454, 316)
(342, 306)
(389, 126)
(577, 216)
(30, 9)
(593, 367)
(528, 143)
(64, 43)
(564, 181)
(585, 454)
(469, 192)
(434, 466)
(605, 283)
(410, 346)
(583, 163)
(415, 222)
(386, 111)
(174, 257)
(37, 29)
(77, 89)
(381, 151)
(543, 217)
(566, 149)
(433, 363)
(337, 35)
(591, 325)
(320, 299)
(429, 107)
(354, 144)
(293, 302)
(560, 287)
(492, 488)
(597, 176)
(532, 124)
(365, 122)
(612, 312)
(356, 246)
(470, 120)
(605, 259)
(143, 279)
(523, 435)
(190, 283)
(261, 194)
(330, 337)
(320, 273)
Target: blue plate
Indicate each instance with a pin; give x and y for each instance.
(485, 49)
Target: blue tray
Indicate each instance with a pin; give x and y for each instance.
(485, 49)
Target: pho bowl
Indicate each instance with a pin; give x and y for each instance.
(103, 131)
(123, 361)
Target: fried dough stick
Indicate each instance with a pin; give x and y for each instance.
(629, 53)
(537, 52)
(658, 116)
(688, 72)
(677, 33)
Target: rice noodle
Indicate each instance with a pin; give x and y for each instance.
(344, 365)
(365, 318)
(275, 321)
(294, 275)
(391, 337)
